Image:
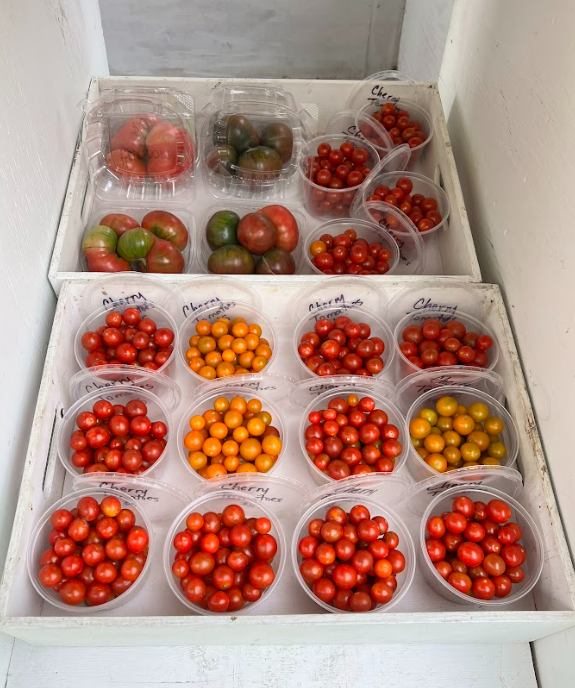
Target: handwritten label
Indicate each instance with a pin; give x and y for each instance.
(398, 240)
(321, 388)
(379, 96)
(340, 300)
(257, 386)
(140, 494)
(122, 382)
(438, 489)
(365, 491)
(446, 311)
(441, 381)
(258, 492)
(191, 307)
(132, 300)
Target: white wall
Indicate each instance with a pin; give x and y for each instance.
(507, 82)
(325, 39)
(49, 49)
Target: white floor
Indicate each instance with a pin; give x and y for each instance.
(392, 666)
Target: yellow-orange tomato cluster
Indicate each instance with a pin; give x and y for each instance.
(227, 347)
(454, 436)
(235, 436)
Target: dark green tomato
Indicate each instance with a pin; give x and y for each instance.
(241, 133)
(135, 244)
(100, 237)
(261, 164)
(231, 260)
(279, 137)
(222, 158)
(222, 229)
(276, 261)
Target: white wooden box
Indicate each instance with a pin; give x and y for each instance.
(288, 616)
(450, 251)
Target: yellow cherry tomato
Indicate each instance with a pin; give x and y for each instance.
(429, 414)
(417, 442)
(353, 399)
(497, 450)
(452, 438)
(317, 247)
(246, 359)
(193, 352)
(493, 426)
(490, 461)
(259, 363)
(437, 462)
(435, 430)
(193, 440)
(204, 327)
(463, 424)
(252, 341)
(480, 438)
(478, 411)
(215, 470)
(212, 446)
(212, 416)
(240, 434)
(197, 460)
(271, 445)
(422, 451)
(196, 364)
(256, 427)
(265, 416)
(461, 410)
(197, 422)
(225, 342)
(213, 359)
(219, 329)
(254, 405)
(254, 328)
(419, 428)
(452, 455)
(250, 448)
(446, 406)
(444, 423)
(264, 462)
(246, 468)
(231, 463)
(470, 452)
(434, 444)
(219, 430)
(225, 369)
(207, 372)
(240, 330)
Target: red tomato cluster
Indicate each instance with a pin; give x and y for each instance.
(224, 560)
(476, 549)
(436, 344)
(346, 254)
(351, 436)
(130, 339)
(336, 169)
(350, 560)
(117, 439)
(421, 211)
(96, 552)
(342, 347)
(400, 126)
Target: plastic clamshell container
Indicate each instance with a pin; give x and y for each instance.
(222, 167)
(432, 498)
(123, 161)
(39, 542)
(362, 126)
(359, 315)
(405, 367)
(157, 411)
(380, 391)
(378, 494)
(466, 396)
(204, 250)
(249, 491)
(138, 213)
(224, 94)
(372, 232)
(268, 389)
(314, 195)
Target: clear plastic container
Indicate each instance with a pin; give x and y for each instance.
(210, 290)
(377, 494)
(405, 367)
(320, 201)
(125, 217)
(225, 93)
(345, 292)
(401, 228)
(148, 309)
(344, 386)
(204, 250)
(141, 143)
(249, 493)
(229, 309)
(362, 126)
(266, 389)
(377, 88)
(358, 315)
(531, 540)
(157, 411)
(370, 231)
(39, 542)
(465, 396)
(230, 137)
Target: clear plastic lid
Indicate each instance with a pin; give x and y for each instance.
(126, 377)
(345, 292)
(224, 93)
(120, 291)
(274, 386)
(409, 241)
(304, 392)
(413, 386)
(360, 125)
(207, 292)
(375, 88)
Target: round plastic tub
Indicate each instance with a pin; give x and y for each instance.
(157, 411)
(421, 185)
(531, 540)
(231, 310)
(358, 315)
(205, 402)
(217, 501)
(337, 201)
(148, 310)
(39, 543)
(346, 500)
(466, 396)
(405, 367)
(381, 403)
(370, 231)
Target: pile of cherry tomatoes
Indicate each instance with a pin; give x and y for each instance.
(350, 559)
(223, 561)
(96, 552)
(475, 547)
(421, 211)
(350, 437)
(345, 254)
(130, 339)
(341, 347)
(434, 343)
(400, 126)
(236, 436)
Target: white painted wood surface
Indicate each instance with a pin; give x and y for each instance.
(507, 83)
(324, 39)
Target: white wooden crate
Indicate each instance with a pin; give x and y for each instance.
(449, 251)
(288, 616)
